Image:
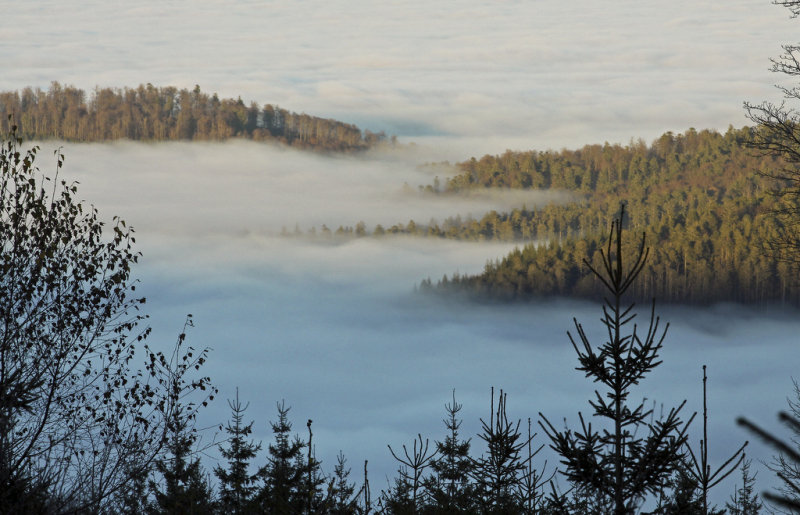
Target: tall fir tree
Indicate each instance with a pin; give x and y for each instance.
(281, 477)
(450, 488)
(237, 486)
(617, 462)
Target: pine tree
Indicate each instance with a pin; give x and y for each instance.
(406, 496)
(341, 499)
(745, 501)
(700, 470)
(449, 487)
(237, 485)
(281, 477)
(183, 487)
(785, 464)
(618, 463)
(497, 473)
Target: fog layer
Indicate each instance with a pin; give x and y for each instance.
(336, 329)
(466, 77)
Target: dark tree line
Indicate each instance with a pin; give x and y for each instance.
(151, 113)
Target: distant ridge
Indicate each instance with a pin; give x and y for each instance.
(149, 113)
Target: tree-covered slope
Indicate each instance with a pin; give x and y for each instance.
(159, 114)
(696, 195)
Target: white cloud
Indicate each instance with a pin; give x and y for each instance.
(549, 73)
(336, 329)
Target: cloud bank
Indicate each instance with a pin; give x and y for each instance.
(464, 77)
(337, 331)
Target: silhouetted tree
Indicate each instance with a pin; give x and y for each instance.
(180, 484)
(786, 464)
(412, 467)
(777, 132)
(342, 498)
(183, 487)
(700, 470)
(619, 463)
(745, 501)
(281, 478)
(449, 487)
(497, 473)
(78, 417)
(237, 484)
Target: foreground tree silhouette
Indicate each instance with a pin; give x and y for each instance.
(78, 417)
(282, 476)
(786, 464)
(237, 484)
(499, 472)
(449, 485)
(618, 463)
(777, 132)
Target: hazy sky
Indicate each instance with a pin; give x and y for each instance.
(469, 76)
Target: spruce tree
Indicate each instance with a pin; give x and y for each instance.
(341, 499)
(618, 462)
(183, 487)
(744, 500)
(408, 494)
(237, 485)
(281, 478)
(786, 463)
(497, 473)
(449, 487)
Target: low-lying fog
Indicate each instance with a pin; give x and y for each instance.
(471, 76)
(336, 329)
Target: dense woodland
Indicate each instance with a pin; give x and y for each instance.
(151, 113)
(696, 195)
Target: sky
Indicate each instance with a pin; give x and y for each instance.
(465, 76)
(336, 330)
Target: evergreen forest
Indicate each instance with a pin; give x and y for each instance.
(701, 197)
(149, 113)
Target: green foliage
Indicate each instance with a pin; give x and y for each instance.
(695, 193)
(159, 114)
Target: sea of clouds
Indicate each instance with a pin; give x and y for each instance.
(336, 329)
(467, 77)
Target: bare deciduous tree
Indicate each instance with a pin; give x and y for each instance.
(78, 413)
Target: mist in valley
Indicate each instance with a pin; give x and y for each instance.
(336, 329)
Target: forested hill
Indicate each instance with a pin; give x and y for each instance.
(696, 195)
(159, 114)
